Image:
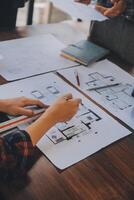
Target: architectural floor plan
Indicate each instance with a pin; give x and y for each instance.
(79, 126)
(118, 95)
(90, 130)
(109, 85)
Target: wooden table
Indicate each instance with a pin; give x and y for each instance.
(106, 175)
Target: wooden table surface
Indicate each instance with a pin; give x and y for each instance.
(106, 175)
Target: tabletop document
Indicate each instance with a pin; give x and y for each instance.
(90, 130)
(108, 85)
(26, 57)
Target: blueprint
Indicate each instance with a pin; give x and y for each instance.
(90, 130)
(117, 97)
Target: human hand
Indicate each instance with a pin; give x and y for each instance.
(64, 108)
(17, 106)
(83, 1)
(61, 110)
(117, 8)
(100, 8)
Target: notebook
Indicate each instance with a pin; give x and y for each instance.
(84, 52)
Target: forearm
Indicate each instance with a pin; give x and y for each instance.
(37, 129)
(2, 106)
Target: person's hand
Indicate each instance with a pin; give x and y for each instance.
(64, 108)
(61, 110)
(17, 106)
(100, 8)
(83, 1)
(116, 10)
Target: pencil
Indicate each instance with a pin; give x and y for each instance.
(77, 77)
(106, 86)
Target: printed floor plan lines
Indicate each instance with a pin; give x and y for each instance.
(108, 85)
(65, 144)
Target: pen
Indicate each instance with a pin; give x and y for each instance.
(77, 77)
(106, 86)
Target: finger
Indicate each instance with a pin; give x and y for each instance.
(115, 4)
(111, 14)
(107, 13)
(30, 102)
(76, 102)
(101, 9)
(68, 96)
(24, 111)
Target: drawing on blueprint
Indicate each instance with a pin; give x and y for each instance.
(65, 144)
(119, 96)
(78, 126)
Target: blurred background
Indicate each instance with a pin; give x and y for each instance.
(44, 12)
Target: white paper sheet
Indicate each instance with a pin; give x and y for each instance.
(117, 99)
(68, 143)
(79, 10)
(30, 56)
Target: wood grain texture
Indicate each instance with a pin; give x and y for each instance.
(106, 175)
